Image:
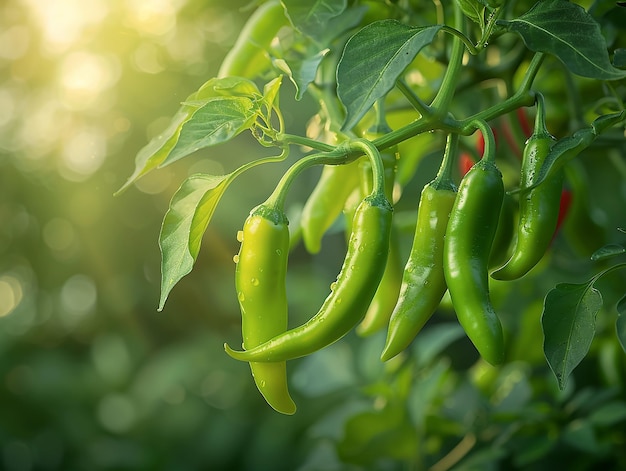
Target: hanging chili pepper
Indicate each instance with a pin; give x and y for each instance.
(261, 292)
(538, 208)
(468, 242)
(423, 282)
(356, 283)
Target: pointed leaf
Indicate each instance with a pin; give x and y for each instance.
(568, 321)
(155, 153)
(217, 121)
(190, 211)
(311, 18)
(567, 31)
(608, 251)
(301, 69)
(373, 59)
(620, 324)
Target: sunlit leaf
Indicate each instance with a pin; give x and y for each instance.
(565, 30)
(216, 122)
(620, 324)
(568, 321)
(184, 224)
(372, 61)
(608, 251)
(156, 152)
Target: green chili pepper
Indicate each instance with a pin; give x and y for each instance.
(326, 202)
(468, 242)
(248, 57)
(423, 282)
(381, 307)
(260, 282)
(538, 208)
(356, 283)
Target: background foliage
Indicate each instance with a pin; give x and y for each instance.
(93, 377)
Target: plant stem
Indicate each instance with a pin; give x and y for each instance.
(441, 102)
(422, 108)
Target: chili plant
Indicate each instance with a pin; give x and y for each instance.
(393, 83)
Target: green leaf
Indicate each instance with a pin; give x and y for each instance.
(567, 31)
(566, 148)
(568, 321)
(300, 68)
(620, 323)
(434, 340)
(188, 216)
(217, 121)
(311, 18)
(155, 153)
(608, 251)
(373, 59)
(473, 9)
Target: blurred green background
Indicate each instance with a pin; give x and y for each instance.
(92, 377)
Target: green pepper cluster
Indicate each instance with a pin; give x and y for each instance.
(464, 233)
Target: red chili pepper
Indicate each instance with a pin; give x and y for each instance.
(465, 163)
(565, 204)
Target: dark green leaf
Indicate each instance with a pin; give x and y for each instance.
(217, 121)
(604, 122)
(188, 216)
(311, 18)
(581, 435)
(608, 414)
(372, 61)
(301, 69)
(620, 324)
(567, 31)
(608, 251)
(568, 321)
(434, 340)
(564, 150)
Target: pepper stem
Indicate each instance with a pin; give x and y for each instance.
(378, 169)
(444, 180)
(489, 154)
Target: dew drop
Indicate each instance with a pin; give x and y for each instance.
(262, 383)
(241, 297)
(239, 236)
(254, 281)
(333, 285)
(236, 258)
(279, 252)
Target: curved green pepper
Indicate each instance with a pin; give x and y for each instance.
(381, 307)
(326, 202)
(260, 283)
(467, 247)
(423, 282)
(538, 208)
(355, 286)
(350, 294)
(248, 56)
